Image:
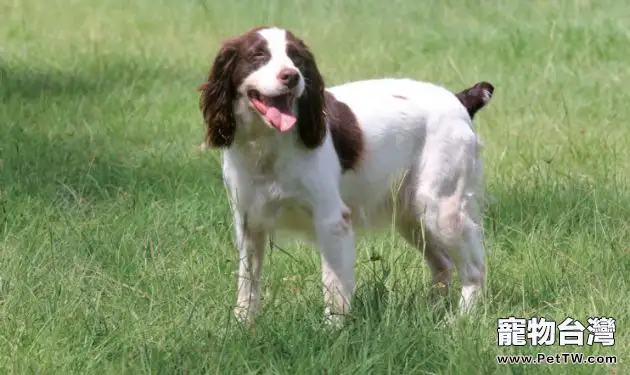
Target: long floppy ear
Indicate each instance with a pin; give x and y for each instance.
(311, 105)
(217, 97)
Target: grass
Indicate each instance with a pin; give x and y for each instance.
(116, 252)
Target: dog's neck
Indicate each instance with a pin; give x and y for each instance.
(259, 148)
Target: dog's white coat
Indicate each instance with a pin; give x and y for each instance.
(421, 168)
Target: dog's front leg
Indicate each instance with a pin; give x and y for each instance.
(251, 246)
(335, 238)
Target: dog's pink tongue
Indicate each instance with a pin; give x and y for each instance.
(281, 121)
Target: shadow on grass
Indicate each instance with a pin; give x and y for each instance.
(77, 169)
(547, 200)
(96, 76)
(52, 146)
(27, 83)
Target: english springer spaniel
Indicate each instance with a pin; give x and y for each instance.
(324, 162)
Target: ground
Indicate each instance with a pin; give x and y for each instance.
(116, 252)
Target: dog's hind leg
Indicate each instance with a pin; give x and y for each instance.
(446, 193)
(435, 255)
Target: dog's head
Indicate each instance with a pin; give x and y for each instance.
(267, 74)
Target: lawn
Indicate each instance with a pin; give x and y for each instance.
(116, 249)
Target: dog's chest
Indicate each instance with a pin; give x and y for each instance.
(269, 196)
(276, 205)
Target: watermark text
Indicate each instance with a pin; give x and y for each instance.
(560, 358)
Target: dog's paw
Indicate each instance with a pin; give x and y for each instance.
(470, 299)
(244, 316)
(334, 321)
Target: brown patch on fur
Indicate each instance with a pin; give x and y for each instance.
(476, 97)
(236, 59)
(311, 122)
(347, 135)
(400, 97)
(347, 217)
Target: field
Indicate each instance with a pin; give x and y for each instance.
(116, 250)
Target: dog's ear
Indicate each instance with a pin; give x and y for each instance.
(217, 97)
(311, 105)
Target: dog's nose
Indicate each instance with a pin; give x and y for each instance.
(289, 77)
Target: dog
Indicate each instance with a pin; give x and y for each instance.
(324, 163)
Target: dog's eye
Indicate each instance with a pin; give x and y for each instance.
(259, 55)
(295, 56)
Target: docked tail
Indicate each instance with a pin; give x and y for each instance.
(476, 97)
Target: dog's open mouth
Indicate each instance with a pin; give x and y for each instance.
(276, 110)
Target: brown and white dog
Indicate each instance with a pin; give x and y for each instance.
(323, 162)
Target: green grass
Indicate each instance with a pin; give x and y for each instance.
(116, 251)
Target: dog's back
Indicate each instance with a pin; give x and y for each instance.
(398, 117)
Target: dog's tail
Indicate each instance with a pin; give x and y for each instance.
(476, 97)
